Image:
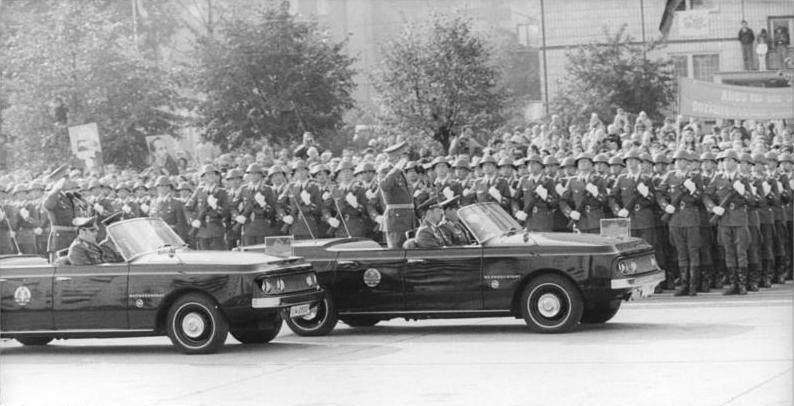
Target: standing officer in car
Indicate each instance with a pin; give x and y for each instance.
(168, 208)
(399, 212)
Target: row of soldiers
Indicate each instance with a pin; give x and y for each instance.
(711, 224)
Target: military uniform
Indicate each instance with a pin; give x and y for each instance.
(635, 194)
(82, 252)
(454, 232)
(399, 215)
(257, 208)
(589, 206)
(209, 224)
(430, 236)
(537, 199)
(170, 209)
(302, 201)
(61, 210)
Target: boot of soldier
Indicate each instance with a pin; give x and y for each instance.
(741, 281)
(716, 278)
(669, 280)
(683, 288)
(706, 273)
(694, 280)
(731, 276)
(766, 274)
(780, 270)
(753, 277)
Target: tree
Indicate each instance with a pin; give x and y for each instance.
(271, 76)
(519, 67)
(81, 56)
(603, 77)
(437, 78)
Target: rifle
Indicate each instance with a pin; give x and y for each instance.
(725, 201)
(630, 205)
(11, 230)
(203, 213)
(341, 216)
(294, 204)
(675, 202)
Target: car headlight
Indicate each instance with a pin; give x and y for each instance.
(653, 263)
(311, 280)
(628, 267)
(271, 286)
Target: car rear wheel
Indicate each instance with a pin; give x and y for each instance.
(257, 335)
(360, 321)
(601, 312)
(551, 303)
(34, 341)
(319, 322)
(195, 324)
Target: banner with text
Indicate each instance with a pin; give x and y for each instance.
(713, 100)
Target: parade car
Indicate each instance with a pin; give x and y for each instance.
(161, 288)
(554, 281)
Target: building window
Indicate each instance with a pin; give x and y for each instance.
(704, 66)
(680, 66)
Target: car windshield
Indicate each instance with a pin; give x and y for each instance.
(142, 235)
(487, 220)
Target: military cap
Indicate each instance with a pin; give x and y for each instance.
(185, 186)
(550, 161)
(521, 162)
(205, 169)
(139, 185)
(601, 158)
(461, 162)
(583, 155)
(746, 157)
(395, 147)
(708, 156)
(729, 154)
(451, 203)
(758, 158)
(234, 173)
(163, 180)
(488, 159)
(344, 164)
(506, 162)
(786, 157)
(315, 169)
(364, 167)
(681, 154)
(299, 164)
(616, 160)
(276, 169)
(644, 156)
(427, 205)
(568, 161)
(633, 154)
(439, 160)
(771, 156)
(255, 168)
(84, 222)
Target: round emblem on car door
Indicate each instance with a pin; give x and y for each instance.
(372, 277)
(22, 295)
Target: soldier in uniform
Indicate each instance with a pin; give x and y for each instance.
(616, 166)
(416, 185)
(27, 220)
(257, 203)
(727, 197)
(321, 176)
(585, 197)
(210, 203)
(142, 198)
(62, 204)
(429, 235)
(568, 167)
(453, 230)
(536, 198)
(633, 196)
(491, 187)
(601, 166)
(84, 250)
(8, 237)
(462, 168)
(782, 187)
(679, 195)
(558, 181)
(165, 206)
(124, 202)
(766, 199)
(365, 177)
(38, 212)
(233, 184)
(753, 223)
(302, 201)
(350, 203)
(712, 272)
(787, 173)
(399, 215)
(444, 186)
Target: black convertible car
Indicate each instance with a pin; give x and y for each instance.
(161, 288)
(553, 281)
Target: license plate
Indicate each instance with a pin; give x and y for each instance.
(298, 311)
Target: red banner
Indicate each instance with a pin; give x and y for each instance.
(713, 100)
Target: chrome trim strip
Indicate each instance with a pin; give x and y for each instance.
(99, 330)
(627, 283)
(265, 302)
(27, 276)
(503, 311)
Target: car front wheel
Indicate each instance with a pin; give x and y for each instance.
(257, 335)
(319, 322)
(34, 341)
(195, 324)
(551, 303)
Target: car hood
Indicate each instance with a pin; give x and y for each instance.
(570, 242)
(227, 258)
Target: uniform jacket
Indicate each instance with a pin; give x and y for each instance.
(213, 221)
(624, 191)
(259, 220)
(576, 197)
(482, 186)
(172, 211)
(395, 191)
(454, 232)
(721, 190)
(540, 212)
(430, 236)
(687, 212)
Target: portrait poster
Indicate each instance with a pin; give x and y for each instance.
(85, 144)
(162, 150)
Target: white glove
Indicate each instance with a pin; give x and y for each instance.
(467, 192)
(351, 200)
(333, 222)
(195, 223)
(24, 213)
(306, 198)
(559, 188)
(521, 215)
(213, 202)
(448, 193)
(739, 187)
(326, 195)
(623, 213)
(780, 186)
(240, 219)
(495, 194)
(2, 215)
(371, 195)
(575, 215)
(126, 209)
(287, 219)
(379, 219)
(791, 183)
(12, 233)
(417, 193)
(592, 189)
(38, 231)
(718, 210)
(643, 189)
(669, 209)
(767, 188)
(98, 208)
(260, 199)
(753, 189)
(690, 186)
(145, 208)
(542, 192)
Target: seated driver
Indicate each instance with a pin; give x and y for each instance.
(84, 249)
(429, 235)
(451, 227)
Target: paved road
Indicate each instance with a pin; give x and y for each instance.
(708, 350)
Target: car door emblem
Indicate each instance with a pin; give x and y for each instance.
(494, 284)
(22, 295)
(139, 303)
(372, 277)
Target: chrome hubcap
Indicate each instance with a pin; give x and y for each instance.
(312, 313)
(549, 305)
(193, 325)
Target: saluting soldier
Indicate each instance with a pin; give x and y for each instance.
(585, 197)
(491, 187)
(679, 194)
(633, 196)
(167, 207)
(62, 204)
(210, 203)
(233, 184)
(302, 201)
(257, 204)
(27, 220)
(536, 197)
(399, 214)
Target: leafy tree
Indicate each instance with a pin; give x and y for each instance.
(81, 56)
(602, 77)
(437, 78)
(271, 76)
(519, 79)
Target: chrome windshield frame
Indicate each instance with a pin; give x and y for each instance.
(485, 208)
(112, 234)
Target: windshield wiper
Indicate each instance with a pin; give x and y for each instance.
(509, 232)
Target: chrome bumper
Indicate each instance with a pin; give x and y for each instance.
(642, 282)
(279, 302)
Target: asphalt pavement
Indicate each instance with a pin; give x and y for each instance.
(664, 350)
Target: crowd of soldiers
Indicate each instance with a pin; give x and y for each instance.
(715, 219)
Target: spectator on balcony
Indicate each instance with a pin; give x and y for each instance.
(782, 42)
(762, 48)
(747, 39)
